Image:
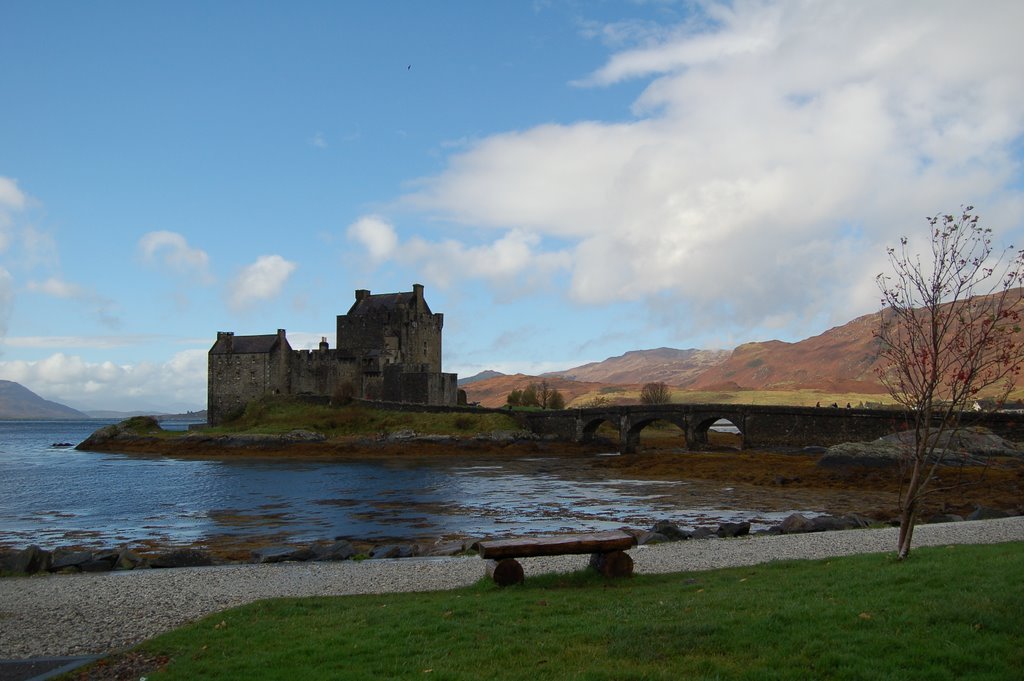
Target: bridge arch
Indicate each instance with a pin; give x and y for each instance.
(589, 428)
(704, 425)
(634, 425)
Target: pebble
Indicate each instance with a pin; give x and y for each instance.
(82, 614)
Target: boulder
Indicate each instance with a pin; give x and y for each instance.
(703, 533)
(859, 520)
(985, 513)
(795, 524)
(670, 530)
(339, 550)
(875, 454)
(651, 538)
(31, 560)
(7, 557)
(101, 563)
(945, 518)
(127, 560)
(830, 523)
(393, 551)
(273, 554)
(447, 548)
(181, 558)
(733, 530)
(65, 559)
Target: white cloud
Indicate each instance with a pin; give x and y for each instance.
(102, 308)
(92, 342)
(376, 235)
(259, 281)
(777, 149)
(12, 199)
(6, 299)
(318, 140)
(172, 250)
(56, 287)
(105, 385)
(512, 264)
(10, 195)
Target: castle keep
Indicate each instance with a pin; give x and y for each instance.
(388, 348)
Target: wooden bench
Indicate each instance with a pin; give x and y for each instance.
(607, 549)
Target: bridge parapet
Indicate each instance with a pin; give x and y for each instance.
(760, 426)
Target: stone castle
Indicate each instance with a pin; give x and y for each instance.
(388, 348)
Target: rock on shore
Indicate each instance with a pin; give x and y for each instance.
(973, 446)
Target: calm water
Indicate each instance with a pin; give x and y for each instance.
(56, 496)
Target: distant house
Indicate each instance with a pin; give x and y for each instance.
(388, 348)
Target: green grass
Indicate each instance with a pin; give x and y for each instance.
(281, 415)
(947, 613)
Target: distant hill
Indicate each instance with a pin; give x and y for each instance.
(482, 376)
(108, 414)
(842, 359)
(18, 402)
(666, 365)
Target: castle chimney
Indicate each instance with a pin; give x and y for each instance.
(361, 294)
(417, 294)
(323, 344)
(228, 337)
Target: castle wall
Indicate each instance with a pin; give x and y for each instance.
(322, 372)
(235, 379)
(419, 385)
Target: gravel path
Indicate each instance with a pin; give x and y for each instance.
(60, 615)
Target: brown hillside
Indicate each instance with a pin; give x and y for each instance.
(840, 360)
(666, 365)
(493, 392)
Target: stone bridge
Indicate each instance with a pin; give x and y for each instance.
(759, 426)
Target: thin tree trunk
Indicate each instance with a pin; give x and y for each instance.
(908, 515)
(907, 518)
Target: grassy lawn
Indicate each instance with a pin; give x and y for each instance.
(947, 613)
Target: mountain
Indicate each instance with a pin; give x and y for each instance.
(842, 359)
(482, 376)
(18, 402)
(665, 365)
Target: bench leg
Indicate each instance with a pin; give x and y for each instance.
(505, 572)
(612, 564)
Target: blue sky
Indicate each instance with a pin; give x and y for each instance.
(569, 180)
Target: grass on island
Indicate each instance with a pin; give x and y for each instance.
(947, 613)
(271, 415)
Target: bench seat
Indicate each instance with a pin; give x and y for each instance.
(607, 549)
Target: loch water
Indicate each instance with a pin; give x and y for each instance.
(58, 496)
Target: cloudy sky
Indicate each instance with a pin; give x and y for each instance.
(569, 180)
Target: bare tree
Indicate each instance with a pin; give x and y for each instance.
(556, 401)
(655, 393)
(949, 329)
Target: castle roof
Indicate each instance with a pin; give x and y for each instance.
(371, 303)
(245, 344)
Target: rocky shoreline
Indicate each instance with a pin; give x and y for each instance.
(35, 560)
